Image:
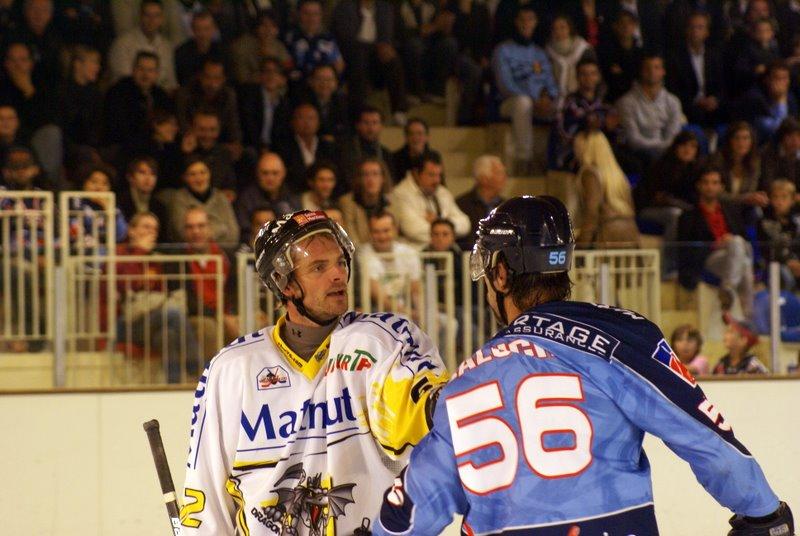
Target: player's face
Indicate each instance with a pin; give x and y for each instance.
(321, 273)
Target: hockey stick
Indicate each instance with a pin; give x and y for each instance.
(164, 475)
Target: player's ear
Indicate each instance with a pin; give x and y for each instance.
(500, 275)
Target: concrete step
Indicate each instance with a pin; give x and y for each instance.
(444, 139)
(515, 186)
(458, 163)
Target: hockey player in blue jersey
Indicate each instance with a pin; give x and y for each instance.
(540, 431)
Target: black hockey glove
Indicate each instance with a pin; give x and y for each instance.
(778, 523)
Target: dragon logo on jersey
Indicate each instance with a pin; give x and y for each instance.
(667, 357)
(273, 378)
(309, 502)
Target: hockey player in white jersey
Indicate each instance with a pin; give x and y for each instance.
(298, 427)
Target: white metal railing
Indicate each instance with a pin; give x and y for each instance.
(26, 269)
(158, 320)
(88, 228)
(627, 278)
(428, 300)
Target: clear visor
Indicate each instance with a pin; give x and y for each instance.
(285, 263)
(480, 261)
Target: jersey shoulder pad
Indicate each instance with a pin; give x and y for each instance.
(382, 329)
(600, 330)
(241, 347)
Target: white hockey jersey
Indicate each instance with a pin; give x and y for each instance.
(280, 445)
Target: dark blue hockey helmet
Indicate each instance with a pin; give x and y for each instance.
(534, 234)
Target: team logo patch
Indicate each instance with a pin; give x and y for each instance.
(273, 378)
(667, 357)
(305, 219)
(312, 502)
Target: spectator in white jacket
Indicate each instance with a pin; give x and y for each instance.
(420, 198)
(147, 36)
(651, 116)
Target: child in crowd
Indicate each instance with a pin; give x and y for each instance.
(740, 336)
(687, 342)
(779, 231)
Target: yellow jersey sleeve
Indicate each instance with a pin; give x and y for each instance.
(403, 388)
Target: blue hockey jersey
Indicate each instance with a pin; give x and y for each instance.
(540, 433)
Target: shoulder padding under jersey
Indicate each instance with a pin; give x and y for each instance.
(624, 337)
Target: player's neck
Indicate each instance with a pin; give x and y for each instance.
(512, 311)
(304, 337)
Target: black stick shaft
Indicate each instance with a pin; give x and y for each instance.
(164, 474)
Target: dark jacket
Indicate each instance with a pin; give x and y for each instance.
(190, 98)
(296, 169)
(474, 207)
(81, 113)
(682, 81)
(402, 162)
(126, 205)
(351, 151)
(251, 115)
(776, 165)
(127, 110)
(696, 240)
(346, 22)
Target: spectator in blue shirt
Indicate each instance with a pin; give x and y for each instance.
(309, 44)
(525, 81)
(767, 105)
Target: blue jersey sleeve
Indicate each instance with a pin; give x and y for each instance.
(428, 491)
(656, 392)
(679, 413)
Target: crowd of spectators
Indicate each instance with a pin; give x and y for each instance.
(679, 117)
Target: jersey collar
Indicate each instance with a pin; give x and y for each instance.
(308, 368)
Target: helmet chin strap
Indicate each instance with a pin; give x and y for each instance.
(301, 308)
